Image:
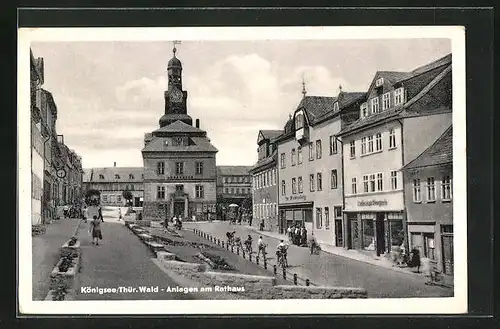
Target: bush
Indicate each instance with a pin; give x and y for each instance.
(72, 241)
(67, 261)
(61, 289)
(219, 262)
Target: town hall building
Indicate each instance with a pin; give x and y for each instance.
(179, 161)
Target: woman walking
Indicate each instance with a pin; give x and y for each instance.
(95, 230)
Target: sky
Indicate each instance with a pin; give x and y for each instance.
(109, 94)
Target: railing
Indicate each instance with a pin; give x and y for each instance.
(281, 272)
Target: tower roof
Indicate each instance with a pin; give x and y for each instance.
(174, 63)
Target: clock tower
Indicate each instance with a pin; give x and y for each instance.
(175, 97)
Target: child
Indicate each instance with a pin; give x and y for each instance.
(95, 228)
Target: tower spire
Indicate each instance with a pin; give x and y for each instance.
(175, 42)
(304, 92)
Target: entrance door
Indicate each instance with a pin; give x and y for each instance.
(339, 238)
(179, 209)
(137, 201)
(380, 229)
(447, 241)
(355, 232)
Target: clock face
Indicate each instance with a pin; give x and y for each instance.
(176, 96)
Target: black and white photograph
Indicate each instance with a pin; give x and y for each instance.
(242, 170)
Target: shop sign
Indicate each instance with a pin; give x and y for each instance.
(369, 203)
(295, 198)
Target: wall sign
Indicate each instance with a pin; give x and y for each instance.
(295, 197)
(369, 203)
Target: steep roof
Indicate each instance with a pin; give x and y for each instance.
(262, 163)
(233, 170)
(441, 152)
(395, 76)
(316, 106)
(92, 174)
(271, 134)
(179, 127)
(396, 111)
(200, 144)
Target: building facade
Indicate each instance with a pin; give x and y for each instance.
(179, 160)
(113, 181)
(429, 202)
(37, 139)
(234, 186)
(404, 113)
(310, 165)
(265, 182)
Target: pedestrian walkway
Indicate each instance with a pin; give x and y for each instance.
(120, 260)
(335, 270)
(46, 250)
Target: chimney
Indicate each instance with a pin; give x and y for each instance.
(197, 123)
(114, 164)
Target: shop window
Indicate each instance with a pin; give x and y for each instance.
(396, 229)
(368, 233)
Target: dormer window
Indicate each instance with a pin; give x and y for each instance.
(130, 176)
(386, 101)
(379, 82)
(375, 105)
(117, 176)
(336, 106)
(101, 176)
(299, 121)
(399, 96)
(364, 110)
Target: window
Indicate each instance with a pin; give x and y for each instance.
(398, 96)
(352, 147)
(179, 188)
(318, 149)
(431, 189)
(375, 107)
(265, 179)
(363, 145)
(300, 185)
(274, 176)
(417, 197)
(130, 176)
(364, 110)
(238, 190)
(380, 186)
(354, 186)
(336, 106)
(372, 183)
(161, 168)
(225, 179)
(365, 184)
(293, 157)
(232, 190)
(327, 218)
(226, 190)
(283, 187)
(199, 192)
(104, 198)
(320, 182)
(333, 145)
(299, 155)
(311, 151)
(282, 160)
(101, 176)
(333, 179)
(117, 176)
(378, 142)
(394, 180)
(299, 121)
(294, 185)
(319, 221)
(446, 188)
(160, 192)
(199, 168)
(392, 139)
(179, 168)
(386, 101)
(370, 144)
(311, 182)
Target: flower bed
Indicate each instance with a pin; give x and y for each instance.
(37, 230)
(70, 246)
(63, 275)
(215, 262)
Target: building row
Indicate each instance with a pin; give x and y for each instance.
(367, 170)
(56, 170)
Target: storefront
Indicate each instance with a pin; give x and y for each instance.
(374, 224)
(296, 214)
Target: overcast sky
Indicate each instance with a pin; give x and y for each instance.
(109, 94)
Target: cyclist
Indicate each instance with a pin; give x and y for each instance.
(281, 252)
(248, 244)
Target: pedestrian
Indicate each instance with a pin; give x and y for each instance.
(313, 243)
(261, 247)
(289, 232)
(100, 215)
(415, 259)
(119, 213)
(262, 225)
(95, 230)
(65, 211)
(250, 220)
(304, 236)
(85, 213)
(296, 236)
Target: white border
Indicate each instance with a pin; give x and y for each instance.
(450, 305)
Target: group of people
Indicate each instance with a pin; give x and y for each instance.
(176, 222)
(297, 235)
(72, 211)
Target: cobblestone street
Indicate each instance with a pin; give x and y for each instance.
(333, 270)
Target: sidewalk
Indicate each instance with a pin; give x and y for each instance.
(46, 253)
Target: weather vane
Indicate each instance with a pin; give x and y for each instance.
(176, 42)
(304, 92)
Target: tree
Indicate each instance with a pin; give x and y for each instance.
(92, 197)
(127, 195)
